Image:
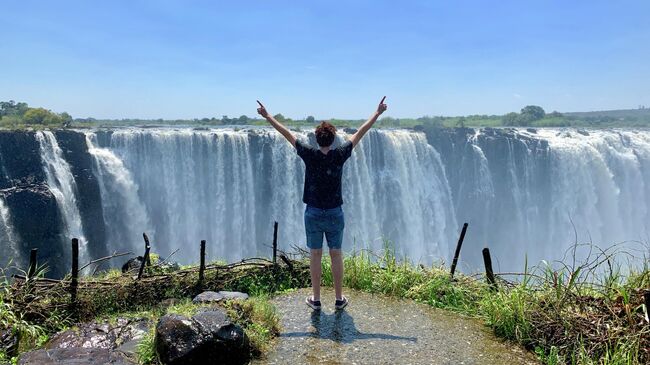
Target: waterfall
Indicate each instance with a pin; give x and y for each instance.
(229, 186)
(8, 239)
(526, 193)
(535, 193)
(125, 216)
(62, 185)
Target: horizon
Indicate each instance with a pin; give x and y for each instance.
(169, 60)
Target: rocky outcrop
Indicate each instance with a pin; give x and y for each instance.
(209, 337)
(38, 221)
(93, 343)
(74, 356)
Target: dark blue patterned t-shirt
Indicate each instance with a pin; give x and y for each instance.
(323, 174)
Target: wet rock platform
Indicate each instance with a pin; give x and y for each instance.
(375, 329)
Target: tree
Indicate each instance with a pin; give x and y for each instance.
(243, 119)
(12, 108)
(511, 118)
(280, 118)
(310, 119)
(36, 116)
(532, 113)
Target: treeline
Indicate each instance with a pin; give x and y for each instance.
(19, 115)
(16, 115)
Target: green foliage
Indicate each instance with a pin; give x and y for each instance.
(259, 319)
(146, 349)
(549, 310)
(18, 115)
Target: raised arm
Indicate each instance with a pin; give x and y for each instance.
(277, 125)
(368, 124)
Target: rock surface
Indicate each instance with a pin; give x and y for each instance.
(74, 356)
(132, 265)
(377, 330)
(208, 297)
(206, 338)
(93, 343)
(101, 334)
(233, 295)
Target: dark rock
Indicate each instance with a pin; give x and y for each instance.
(350, 130)
(132, 265)
(101, 335)
(9, 342)
(207, 337)
(179, 340)
(27, 201)
(233, 295)
(208, 297)
(74, 356)
(75, 152)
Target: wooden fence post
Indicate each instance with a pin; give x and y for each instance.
(202, 265)
(146, 245)
(74, 282)
(145, 258)
(275, 243)
(646, 298)
(458, 246)
(489, 273)
(33, 262)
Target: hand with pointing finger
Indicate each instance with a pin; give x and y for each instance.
(381, 107)
(262, 110)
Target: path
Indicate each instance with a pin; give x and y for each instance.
(379, 330)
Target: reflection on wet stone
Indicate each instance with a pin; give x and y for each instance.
(377, 330)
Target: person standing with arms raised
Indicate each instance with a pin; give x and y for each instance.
(323, 197)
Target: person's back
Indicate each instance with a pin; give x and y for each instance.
(323, 196)
(323, 172)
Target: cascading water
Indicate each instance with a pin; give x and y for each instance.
(124, 214)
(62, 185)
(525, 193)
(8, 239)
(229, 186)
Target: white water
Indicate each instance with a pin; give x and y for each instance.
(229, 186)
(63, 187)
(125, 216)
(523, 192)
(8, 239)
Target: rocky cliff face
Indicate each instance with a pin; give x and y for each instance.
(35, 216)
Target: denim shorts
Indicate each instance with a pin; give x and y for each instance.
(328, 222)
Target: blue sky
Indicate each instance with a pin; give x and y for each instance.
(173, 59)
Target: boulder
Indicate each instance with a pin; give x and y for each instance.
(233, 295)
(208, 297)
(132, 265)
(207, 337)
(101, 334)
(74, 356)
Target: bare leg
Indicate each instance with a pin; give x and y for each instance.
(316, 271)
(337, 272)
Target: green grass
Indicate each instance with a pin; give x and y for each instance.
(548, 311)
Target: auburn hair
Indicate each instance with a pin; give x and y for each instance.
(325, 134)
